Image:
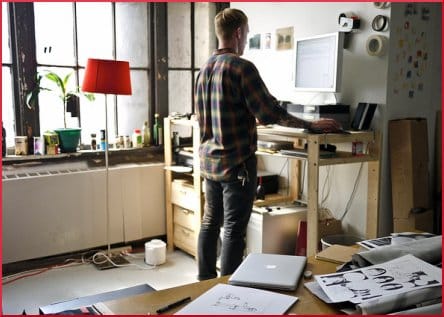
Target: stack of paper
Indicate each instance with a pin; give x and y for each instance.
(381, 288)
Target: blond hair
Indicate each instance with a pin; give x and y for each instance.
(227, 21)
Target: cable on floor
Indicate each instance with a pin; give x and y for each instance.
(84, 259)
(15, 277)
(108, 259)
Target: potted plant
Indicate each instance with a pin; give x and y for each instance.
(68, 137)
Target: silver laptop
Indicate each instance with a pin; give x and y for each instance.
(273, 271)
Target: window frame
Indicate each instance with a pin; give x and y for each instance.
(22, 38)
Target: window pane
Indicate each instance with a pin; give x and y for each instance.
(6, 49)
(205, 40)
(51, 105)
(179, 91)
(8, 117)
(179, 35)
(132, 33)
(93, 116)
(133, 110)
(95, 31)
(54, 33)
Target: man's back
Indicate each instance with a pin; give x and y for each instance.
(229, 96)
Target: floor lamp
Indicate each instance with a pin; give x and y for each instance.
(107, 77)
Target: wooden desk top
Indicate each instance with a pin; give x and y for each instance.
(308, 304)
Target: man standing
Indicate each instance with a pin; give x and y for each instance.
(230, 98)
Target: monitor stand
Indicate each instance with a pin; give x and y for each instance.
(322, 98)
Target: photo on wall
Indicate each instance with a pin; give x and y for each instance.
(255, 42)
(267, 42)
(284, 38)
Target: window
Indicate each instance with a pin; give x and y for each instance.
(67, 34)
(8, 118)
(191, 40)
(99, 30)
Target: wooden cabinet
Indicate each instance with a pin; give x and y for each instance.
(183, 189)
(315, 162)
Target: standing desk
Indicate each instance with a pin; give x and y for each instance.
(308, 304)
(314, 162)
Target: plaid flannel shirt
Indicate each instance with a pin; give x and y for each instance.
(229, 96)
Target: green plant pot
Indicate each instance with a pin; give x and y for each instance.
(69, 139)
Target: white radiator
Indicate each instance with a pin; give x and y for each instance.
(51, 212)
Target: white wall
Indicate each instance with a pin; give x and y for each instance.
(365, 79)
(424, 83)
(361, 73)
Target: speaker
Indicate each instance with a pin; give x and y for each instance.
(363, 116)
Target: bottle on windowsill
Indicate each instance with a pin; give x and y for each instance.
(146, 134)
(157, 130)
(137, 138)
(93, 142)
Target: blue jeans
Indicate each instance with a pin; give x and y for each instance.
(228, 203)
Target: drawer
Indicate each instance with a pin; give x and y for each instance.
(185, 238)
(183, 194)
(184, 217)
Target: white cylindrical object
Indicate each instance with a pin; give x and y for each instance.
(376, 45)
(155, 252)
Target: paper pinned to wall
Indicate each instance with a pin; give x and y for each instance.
(228, 299)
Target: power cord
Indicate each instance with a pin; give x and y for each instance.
(107, 258)
(353, 193)
(355, 187)
(288, 175)
(84, 259)
(327, 181)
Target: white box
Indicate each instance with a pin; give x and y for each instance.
(274, 231)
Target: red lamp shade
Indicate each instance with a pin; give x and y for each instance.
(107, 77)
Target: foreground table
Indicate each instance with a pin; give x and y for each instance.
(148, 303)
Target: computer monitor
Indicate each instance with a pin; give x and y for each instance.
(318, 63)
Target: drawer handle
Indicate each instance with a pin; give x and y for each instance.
(185, 232)
(186, 211)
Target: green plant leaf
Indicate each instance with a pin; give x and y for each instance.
(32, 96)
(64, 94)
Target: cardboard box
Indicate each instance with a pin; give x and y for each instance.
(421, 222)
(409, 161)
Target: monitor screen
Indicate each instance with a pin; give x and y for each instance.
(318, 62)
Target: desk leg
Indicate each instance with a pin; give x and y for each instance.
(373, 189)
(168, 181)
(313, 195)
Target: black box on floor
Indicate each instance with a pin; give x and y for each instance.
(339, 112)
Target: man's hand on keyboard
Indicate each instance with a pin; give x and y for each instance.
(325, 125)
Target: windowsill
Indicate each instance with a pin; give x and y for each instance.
(152, 154)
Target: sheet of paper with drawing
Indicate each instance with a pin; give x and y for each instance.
(228, 299)
(403, 274)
